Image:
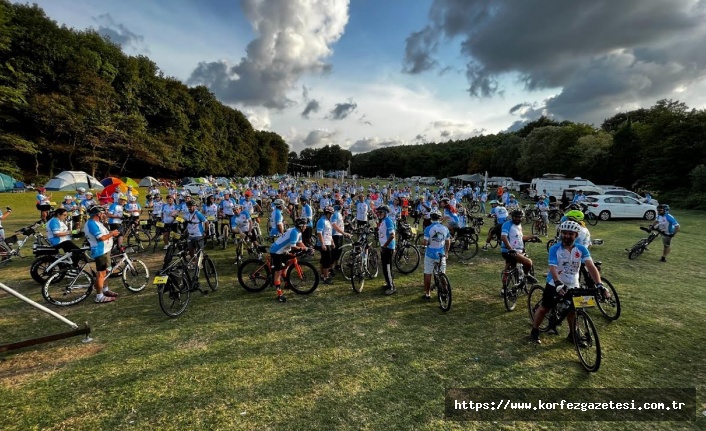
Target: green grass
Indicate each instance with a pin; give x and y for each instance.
(340, 360)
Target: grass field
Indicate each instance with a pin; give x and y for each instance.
(340, 360)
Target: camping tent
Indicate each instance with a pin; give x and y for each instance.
(70, 180)
(149, 181)
(130, 182)
(7, 183)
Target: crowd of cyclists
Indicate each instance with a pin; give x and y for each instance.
(307, 216)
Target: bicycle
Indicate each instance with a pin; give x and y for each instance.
(464, 243)
(442, 285)
(589, 217)
(177, 280)
(69, 284)
(243, 244)
(539, 227)
(585, 335)
(608, 306)
(135, 236)
(133, 272)
(254, 275)
(361, 253)
(636, 250)
(514, 282)
(11, 246)
(407, 256)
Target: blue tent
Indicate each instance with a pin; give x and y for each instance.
(7, 183)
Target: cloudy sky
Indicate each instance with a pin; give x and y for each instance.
(366, 74)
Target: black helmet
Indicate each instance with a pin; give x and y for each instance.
(383, 208)
(328, 210)
(300, 222)
(517, 213)
(95, 210)
(664, 207)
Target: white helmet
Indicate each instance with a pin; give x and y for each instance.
(570, 225)
(81, 190)
(68, 198)
(132, 199)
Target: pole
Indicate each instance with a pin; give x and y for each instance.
(38, 306)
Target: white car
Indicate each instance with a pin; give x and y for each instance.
(193, 188)
(628, 193)
(607, 207)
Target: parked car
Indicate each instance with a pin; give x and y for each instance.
(193, 188)
(625, 192)
(609, 206)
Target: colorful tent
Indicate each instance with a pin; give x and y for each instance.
(130, 182)
(71, 180)
(7, 183)
(110, 181)
(149, 181)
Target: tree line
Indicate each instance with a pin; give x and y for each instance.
(73, 100)
(661, 149)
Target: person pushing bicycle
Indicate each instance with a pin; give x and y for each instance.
(290, 241)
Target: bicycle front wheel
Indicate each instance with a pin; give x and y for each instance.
(443, 292)
(609, 307)
(254, 275)
(209, 270)
(303, 278)
(373, 264)
(534, 301)
(586, 340)
(635, 251)
(135, 276)
(539, 228)
(591, 218)
(509, 290)
(406, 259)
(134, 241)
(69, 290)
(174, 296)
(358, 275)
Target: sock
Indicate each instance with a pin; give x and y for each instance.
(99, 296)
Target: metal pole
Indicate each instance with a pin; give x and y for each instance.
(38, 306)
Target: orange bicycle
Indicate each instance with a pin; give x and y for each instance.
(256, 274)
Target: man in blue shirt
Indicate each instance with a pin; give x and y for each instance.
(195, 227)
(386, 236)
(291, 239)
(437, 239)
(101, 241)
(669, 227)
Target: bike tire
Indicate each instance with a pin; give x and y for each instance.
(373, 267)
(469, 248)
(69, 290)
(357, 275)
(209, 271)
(144, 235)
(591, 219)
(305, 282)
(538, 228)
(635, 251)
(609, 307)
(588, 346)
(39, 266)
(134, 241)
(135, 276)
(509, 291)
(534, 301)
(254, 275)
(550, 243)
(443, 292)
(174, 296)
(406, 259)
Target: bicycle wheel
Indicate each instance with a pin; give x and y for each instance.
(406, 259)
(534, 301)
(509, 290)
(69, 291)
(443, 292)
(135, 276)
(134, 241)
(588, 346)
(373, 267)
(254, 275)
(239, 251)
(144, 235)
(539, 228)
(39, 267)
(468, 248)
(169, 255)
(635, 251)
(550, 243)
(474, 208)
(5, 251)
(609, 307)
(303, 278)
(174, 296)
(495, 242)
(346, 262)
(357, 275)
(209, 270)
(591, 218)
(225, 236)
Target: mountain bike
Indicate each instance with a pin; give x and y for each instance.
(254, 275)
(133, 272)
(514, 282)
(442, 285)
(588, 346)
(464, 243)
(608, 301)
(636, 250)
(407, 256)
(181, 277)
(588, 216)
(11, 246)
(539, 227)
(370, 257)
(68, 284)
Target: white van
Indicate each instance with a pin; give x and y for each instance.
(555, 184)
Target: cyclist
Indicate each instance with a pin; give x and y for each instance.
(543, 207)
(210, 209)
(115, 218)
(361, 212)
(277, 219)
(196, 225)
(244, 224)
(499, 213)
(43, 203)
(101, 241)
(565, 259)
(169, 213)
(669, 227)
(437, 239)
(513, 244)
(291, 239)
(3, 217)
(308, 214)
(584, 237)
(324, 241)
(339, 233)
(226, 210)
(386, 236)
(450, 215)
(59, 235)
